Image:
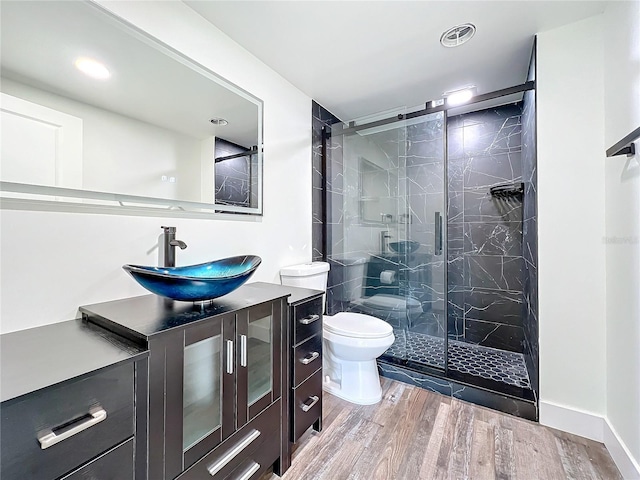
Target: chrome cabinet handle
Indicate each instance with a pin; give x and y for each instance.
(49, 438)
(233, 453)
(307, 406)
(243, 350)
(249, 473)
(230, 356)
(309, 358)
(309, 319)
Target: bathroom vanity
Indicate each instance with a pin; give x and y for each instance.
(217, 380)
(146, 388)
(73, 404)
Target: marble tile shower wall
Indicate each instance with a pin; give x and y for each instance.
(485, 262)
(424, 180)
(321, 117)
(530, 230)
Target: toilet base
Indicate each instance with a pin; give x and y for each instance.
(360, 383)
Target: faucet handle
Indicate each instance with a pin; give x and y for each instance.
(169, 229)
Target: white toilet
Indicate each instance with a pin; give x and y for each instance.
(351, 342)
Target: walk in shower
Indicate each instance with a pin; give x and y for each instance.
(422, 220)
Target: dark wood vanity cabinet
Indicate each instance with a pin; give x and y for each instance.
(305, 316)
(75, 410)
(216, 379)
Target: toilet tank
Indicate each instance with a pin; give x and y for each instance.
(347, 275)
(307, 275)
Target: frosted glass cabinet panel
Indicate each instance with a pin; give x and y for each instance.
(202, 409)
(259, 358)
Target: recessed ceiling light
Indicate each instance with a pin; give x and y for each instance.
(459, 97)
(456, 36)
(92, 68)
(219, 121)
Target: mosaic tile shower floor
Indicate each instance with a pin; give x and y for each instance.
(485, 362)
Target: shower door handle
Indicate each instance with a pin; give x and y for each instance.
(438, 234)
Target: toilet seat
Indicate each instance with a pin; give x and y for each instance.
(356, 325)
(392, 303)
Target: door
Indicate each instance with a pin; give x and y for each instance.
(40, 145)
(200, 392)
(259, 359)
(386, 236)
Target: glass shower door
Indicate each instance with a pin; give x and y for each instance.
(386, 235)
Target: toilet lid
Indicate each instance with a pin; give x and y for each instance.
(391, 302)
(357, 325)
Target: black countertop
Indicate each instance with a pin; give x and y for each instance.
(140, 318)
(296, 294)
(39, 357)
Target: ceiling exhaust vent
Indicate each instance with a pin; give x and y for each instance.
(456, 36)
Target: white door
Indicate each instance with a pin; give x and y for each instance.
(39, 145)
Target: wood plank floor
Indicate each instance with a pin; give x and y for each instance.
(416, 434)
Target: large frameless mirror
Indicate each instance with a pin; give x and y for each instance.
(96, 112)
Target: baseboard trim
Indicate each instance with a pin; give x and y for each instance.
(594, 427)
(569, 420)
(621, 455)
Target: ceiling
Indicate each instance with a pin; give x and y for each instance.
(361, 57)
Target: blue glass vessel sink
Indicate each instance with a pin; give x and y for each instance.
(405, 246)
(194, 283)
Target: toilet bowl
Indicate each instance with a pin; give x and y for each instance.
(351, 344)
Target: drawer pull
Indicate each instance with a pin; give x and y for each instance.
(243, 350)
(233, 453)
(230, 356)
(307, 406)
(50, 438)
(309, 319)
(250, 471)
(309, 358)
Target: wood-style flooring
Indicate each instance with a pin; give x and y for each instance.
(416, 434)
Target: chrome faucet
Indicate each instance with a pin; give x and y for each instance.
(170, 243)
(384, 241)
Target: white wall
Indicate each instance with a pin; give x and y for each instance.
(622, 179)
(571, 218)
(53, 262)
(589, 231)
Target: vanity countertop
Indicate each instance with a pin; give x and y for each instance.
(139, 318)
(43, 356)
(296, 294)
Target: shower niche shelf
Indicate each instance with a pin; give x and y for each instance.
(508, 190)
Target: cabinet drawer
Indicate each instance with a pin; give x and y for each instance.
(308, 396)
(229, 455)
(76, 421)
(307, 319)
(307, 358)
(116, 464)
(254, 466)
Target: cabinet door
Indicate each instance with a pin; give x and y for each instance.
(207, 387)
(259, 359)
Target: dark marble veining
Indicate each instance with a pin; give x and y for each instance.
(233, 179)
(485, 259)
(530, 228)
(493, 271)
(320, 117)
(493, 238)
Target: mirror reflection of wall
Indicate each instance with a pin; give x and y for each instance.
(235, 174)
(144, 128)
(378, 200)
